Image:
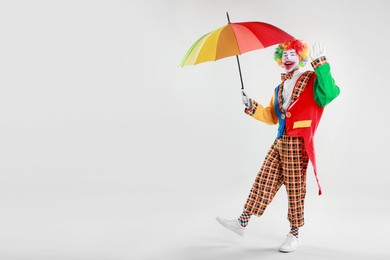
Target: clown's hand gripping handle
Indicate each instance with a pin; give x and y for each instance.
(245, 100)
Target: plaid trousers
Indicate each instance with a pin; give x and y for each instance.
(285, 163)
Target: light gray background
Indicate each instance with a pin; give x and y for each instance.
(109, 150)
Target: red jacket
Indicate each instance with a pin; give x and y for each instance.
(302, 118)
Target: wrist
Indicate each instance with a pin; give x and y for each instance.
(252, 109)
(318, 62)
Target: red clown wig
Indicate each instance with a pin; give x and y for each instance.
(300, 48)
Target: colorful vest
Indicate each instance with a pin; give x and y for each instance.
(302, 116)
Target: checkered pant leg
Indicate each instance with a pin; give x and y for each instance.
(267, 183)
(285, 163)
(294, 162)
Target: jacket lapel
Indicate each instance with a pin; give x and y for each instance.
(300, 85)
(298, 89)
(280, 97)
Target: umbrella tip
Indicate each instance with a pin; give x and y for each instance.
(227, 15)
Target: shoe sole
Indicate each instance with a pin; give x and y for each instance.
(227, 227)
(286, 251)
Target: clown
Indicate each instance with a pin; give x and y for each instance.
(296, 105)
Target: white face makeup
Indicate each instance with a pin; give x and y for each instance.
(290, 60)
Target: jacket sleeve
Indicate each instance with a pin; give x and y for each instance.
(264, 114)
(325, 89)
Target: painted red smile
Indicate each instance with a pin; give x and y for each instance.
(288, 64)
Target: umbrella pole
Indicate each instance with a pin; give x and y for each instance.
(238, 60)
(239, 69)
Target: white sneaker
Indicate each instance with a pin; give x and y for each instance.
(232, 224)
(290, 245)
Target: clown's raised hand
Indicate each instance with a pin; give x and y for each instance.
(317, 50)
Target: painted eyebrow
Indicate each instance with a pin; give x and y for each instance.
(291, 52)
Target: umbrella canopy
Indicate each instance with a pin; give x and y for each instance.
(234, 39)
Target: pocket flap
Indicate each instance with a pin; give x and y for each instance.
(302, 124)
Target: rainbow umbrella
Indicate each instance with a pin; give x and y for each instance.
(234, 39)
